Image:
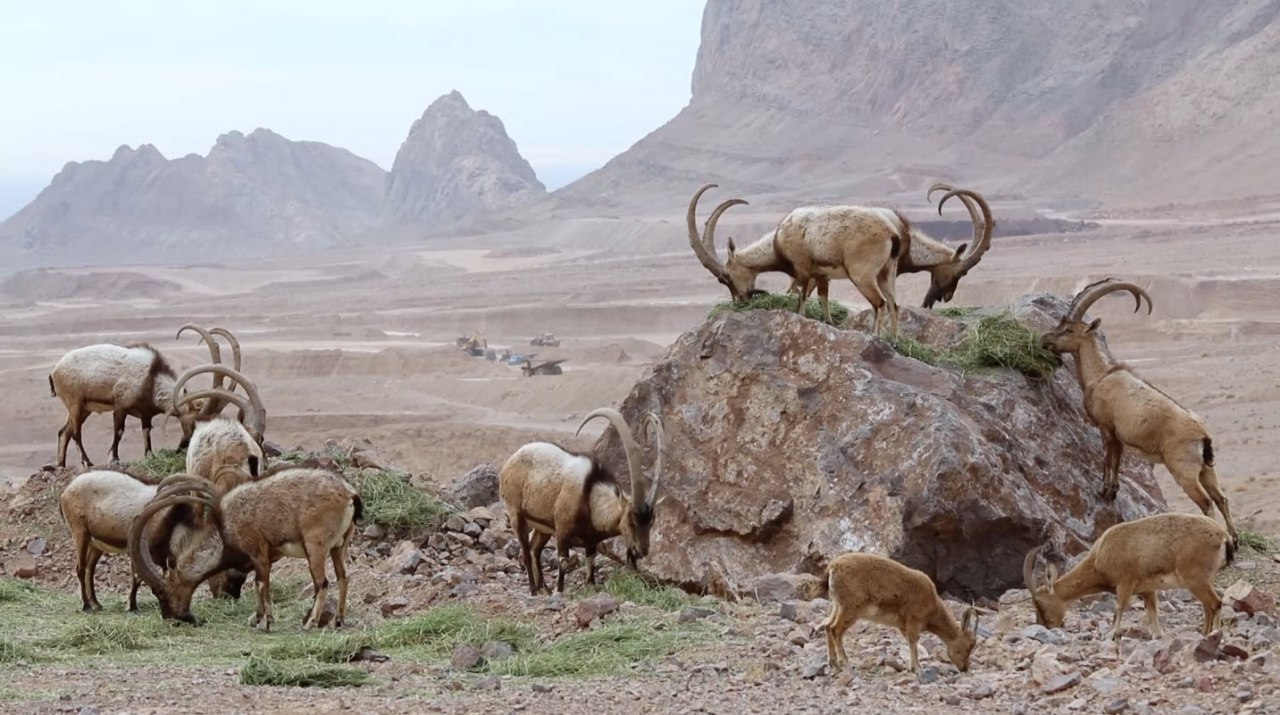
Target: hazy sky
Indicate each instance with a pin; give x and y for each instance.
(574, 81)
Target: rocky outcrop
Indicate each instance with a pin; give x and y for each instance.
(255, 194)
(790, 442)
(456, 162)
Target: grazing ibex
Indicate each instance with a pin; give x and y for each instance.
(301, 512)
(813, 242)
(882, 590)
(550, 491)
(125, 380)
(1141, 556)
(1129, 411)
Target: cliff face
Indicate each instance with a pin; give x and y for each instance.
(456, 162)
(854, 98)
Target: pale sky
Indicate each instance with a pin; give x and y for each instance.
(574, 81)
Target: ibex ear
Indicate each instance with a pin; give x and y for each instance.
(1052, 575)
(731, 246)
(960, 250)
(1094, 325)
(967, 620)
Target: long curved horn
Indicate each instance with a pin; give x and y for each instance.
(181, 482)
(256, 416)
(239, 401)
(707, 258)
(974, 215)
(232, 341)
(143, 564)
(1092, 292)
(215, 357)
(653, 429)
(709, 229)
(628, 445)
(1029, 567)
(982, 228)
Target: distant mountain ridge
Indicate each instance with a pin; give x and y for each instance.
(262, 194)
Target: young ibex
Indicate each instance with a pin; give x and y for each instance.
(550, 491)
(1141, 556)
(813, 242)
(125, 380)
(301, 512)
(98, 508)
(1129, 411)
(886, 592)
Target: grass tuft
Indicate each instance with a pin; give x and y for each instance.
(1257, 542)
(395, 505)
(97, 636)
(994, 341)
(956, 311)
(320, 647)
(14, 652)
(631, 586)
(604, 650)
(785, 301)
(264, 671)
(160, 464)
(437, 631)
(14, 591)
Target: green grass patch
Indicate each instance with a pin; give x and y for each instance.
(100, 636)
(14, 652)
(321, 647)
(13, 590)
(630, 586)
(397, 506)
(993, 341)
(786, 301)
(436, 632)
(160, 464)
(1257, 542)
(605, 650)
(957, 311)
(265, 671)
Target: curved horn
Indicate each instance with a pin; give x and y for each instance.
(1029, 567)
(653, 429)
(143, 564)
(704, 247)
(215, 357)
(233, 342)
(181, 482)
(1092, 292)
(709, 230)
(629, 446)
(256, 416)
(239, 401)
(982, 228)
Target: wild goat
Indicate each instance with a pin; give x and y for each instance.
(98, 508)
(813, 242)
(550, 491)
(1141, 556)
(1129, 411)
(125, 380)
(299, 512)
(945, 266)
(886, 592)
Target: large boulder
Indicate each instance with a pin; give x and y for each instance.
(790, 442)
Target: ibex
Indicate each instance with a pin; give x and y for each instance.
(1129, 411)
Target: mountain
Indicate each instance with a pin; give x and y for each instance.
(252, 195)
(455, 163)
(1132, 100)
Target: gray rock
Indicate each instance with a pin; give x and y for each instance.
(783, 587)
(465, 657)
(688, 614)
(497, 650)
(591, 609)
(929, 675)
(37, 546)
(738, 402)
(488, 682)
(1062, 682)
(1044, 635)
(1117, 705)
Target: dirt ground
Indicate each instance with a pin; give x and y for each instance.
(361, 345)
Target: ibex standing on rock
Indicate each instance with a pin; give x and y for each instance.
(1129, 411)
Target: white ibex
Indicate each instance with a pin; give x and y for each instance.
(1129, 411)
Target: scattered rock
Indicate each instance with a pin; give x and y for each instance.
(367, 654)
(688, 614)
(814, 669)
(1062, 682)
(455, 523)
(1117, 705)
(1244, 597)
(373, 532)
(476, 488)
(779, 587)
(37, 546)
(22, 566)
(1038, 632)
(472, 529)
(929, 675)
(403, 559)
(591, 609)
(540, 688)
(465, 657)
(497, 650)
(489, 682)
(982, 691)
(392, 605)
(1208, 647)
(796, 611)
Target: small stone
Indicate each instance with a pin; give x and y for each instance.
(1044, 635)
(929, 675)
(1231, 650)
(1062, 682)
(540, 688)
(392, 605)
(1244, 597)
(1191, 710)
(982, 691)
(689, 614)
(22, 566)
(777, 587)
(455, 523)
(497, 650)
(814, 669)
(373, 532)
(1204, 684)
(403, 559)
(37, 546)
(1244, 693)
(595, 607)
(797, 637)
(472, 529)
(1118, 705)
(1207, 649)
(489, 682)
(465, 657)
(89, 710)
(476, 488)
